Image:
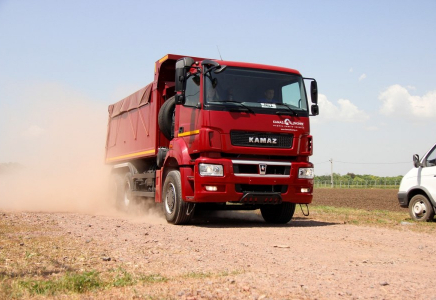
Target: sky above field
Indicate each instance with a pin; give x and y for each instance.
(63, 62)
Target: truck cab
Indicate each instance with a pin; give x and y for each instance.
(418, 187)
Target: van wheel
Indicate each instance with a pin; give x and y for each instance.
(279, 213)
(166, 116)
(175, 208)
(420, 209)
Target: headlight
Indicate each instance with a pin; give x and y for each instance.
(305, 173)
(211, 170)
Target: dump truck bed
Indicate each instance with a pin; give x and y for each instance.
(132, 127)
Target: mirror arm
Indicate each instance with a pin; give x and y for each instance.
(213, 66)
(210, 62)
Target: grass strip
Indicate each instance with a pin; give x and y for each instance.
(376, 218)
(72, 283)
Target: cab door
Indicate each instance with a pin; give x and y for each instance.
(188, 115)
(427, 174)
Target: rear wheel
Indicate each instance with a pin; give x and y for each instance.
(420, 209)
(279, 213)
(176, 210)
(123, 191)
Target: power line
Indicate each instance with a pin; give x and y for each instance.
(387, 163)
(360, 163)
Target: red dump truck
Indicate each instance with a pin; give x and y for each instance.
(214, 134)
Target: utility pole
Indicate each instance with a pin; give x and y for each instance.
(331, 171)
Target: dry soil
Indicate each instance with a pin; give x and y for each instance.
(238, 256)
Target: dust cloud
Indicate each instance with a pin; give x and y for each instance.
(57, 137)
(52, 158)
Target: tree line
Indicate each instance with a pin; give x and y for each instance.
(356, 177)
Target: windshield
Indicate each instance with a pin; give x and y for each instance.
(258, 89)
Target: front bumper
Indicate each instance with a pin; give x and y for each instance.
(233, 186)
(402, 199)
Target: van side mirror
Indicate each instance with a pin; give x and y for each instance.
(416, 162)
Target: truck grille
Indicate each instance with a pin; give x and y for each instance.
(261, 139)
(250, 168)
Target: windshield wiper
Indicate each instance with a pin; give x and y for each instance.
(288, 107)
(240, 103)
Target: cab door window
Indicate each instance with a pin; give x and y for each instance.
(431, 159)
(192, 91)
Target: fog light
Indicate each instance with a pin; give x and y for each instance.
(305, 190)
(211, 188)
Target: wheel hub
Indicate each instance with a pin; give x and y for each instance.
(170, 199)
(126, 199)
(127, 194)
(419, 208)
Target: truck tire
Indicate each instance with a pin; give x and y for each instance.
(420, 208)
(166, 116)
(279, 213)
(174, 207)
(161, 155)
(123, 197)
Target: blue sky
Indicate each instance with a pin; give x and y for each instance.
(63, 62)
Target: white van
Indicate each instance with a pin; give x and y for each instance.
(418, 187)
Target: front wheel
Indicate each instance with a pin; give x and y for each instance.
(176, 210)
(278, 213)
(420, 209)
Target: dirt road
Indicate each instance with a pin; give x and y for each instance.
(236, 256)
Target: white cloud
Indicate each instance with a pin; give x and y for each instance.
(344, 111)
(34, 131)
(351, 70)
(397, 101)
(372, 128)
(362, 77)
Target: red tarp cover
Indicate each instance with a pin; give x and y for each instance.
(133, 101)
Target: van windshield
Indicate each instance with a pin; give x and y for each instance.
(258, 89)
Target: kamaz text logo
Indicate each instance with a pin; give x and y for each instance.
(288, 122)
(256, 140)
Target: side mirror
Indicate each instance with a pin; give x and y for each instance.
(181, 68)
(314, 109)
(314, 91)
(416, 162)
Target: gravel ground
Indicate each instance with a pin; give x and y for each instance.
(238, 256)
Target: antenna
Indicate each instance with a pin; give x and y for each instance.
(219, 51)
